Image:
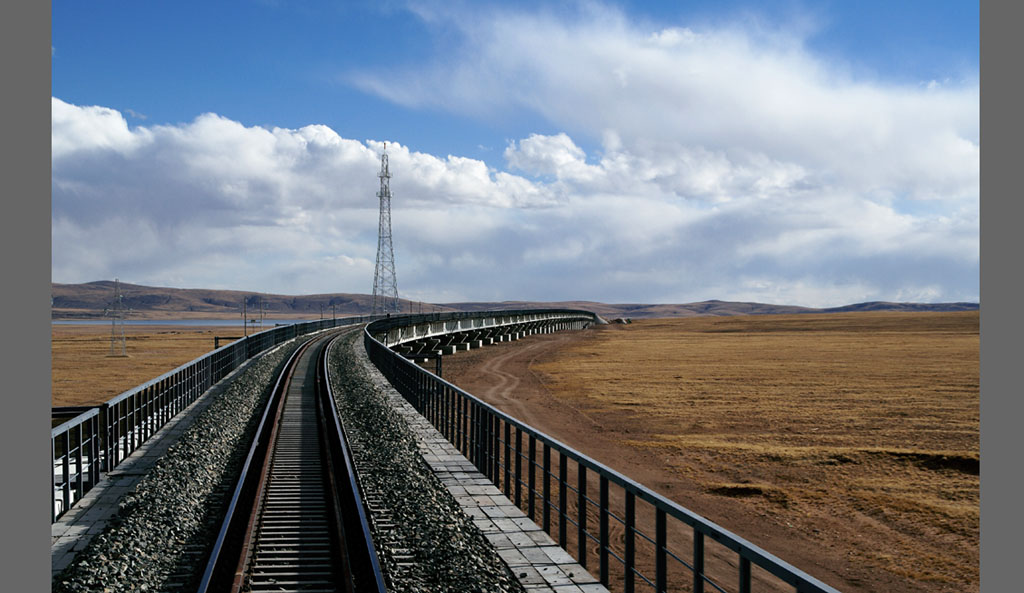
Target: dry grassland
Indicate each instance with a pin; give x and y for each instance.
(858, 431)
(83, 373)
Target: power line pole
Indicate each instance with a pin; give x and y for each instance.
(385, 285)
(117, 314)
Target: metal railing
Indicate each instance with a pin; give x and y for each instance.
(631, 535)
(100, 438)
(75, 450)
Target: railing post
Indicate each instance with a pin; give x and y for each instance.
(630, 541)
(698, 562)
(79, 474)
(132, 422)
(660, 537)
(581, 512)
(547, 488)
(532, 484)
(66, 475)
(109, 437)
(94, 468)
(464, 426)
(495, 424)
(478, 441)
(53, 480)
(508, 460)
(603, 536)
(519, 466)
(563, 502)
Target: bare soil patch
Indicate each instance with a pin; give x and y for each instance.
(83, 373)
(846, 444)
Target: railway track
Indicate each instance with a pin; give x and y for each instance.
(296, 521)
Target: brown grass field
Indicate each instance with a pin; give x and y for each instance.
(82, 372)
(847, 444)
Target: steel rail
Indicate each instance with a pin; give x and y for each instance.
(289, 524)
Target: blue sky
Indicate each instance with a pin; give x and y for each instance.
(813, 153)
(286, 63)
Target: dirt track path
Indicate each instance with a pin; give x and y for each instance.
(501, 376)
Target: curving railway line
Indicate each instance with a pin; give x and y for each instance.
(296, 521)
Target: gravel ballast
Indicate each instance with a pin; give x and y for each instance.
(163, 531)
(424, 540)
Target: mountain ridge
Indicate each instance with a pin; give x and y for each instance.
(90, 300)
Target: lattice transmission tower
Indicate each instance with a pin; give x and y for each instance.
(385, 285)
(117, 313)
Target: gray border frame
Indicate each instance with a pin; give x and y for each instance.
(25, 33)
(1001, 326)
(25, 52)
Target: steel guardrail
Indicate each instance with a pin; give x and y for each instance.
(485, 434)
(99, 439)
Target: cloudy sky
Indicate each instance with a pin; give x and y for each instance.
(809, 153)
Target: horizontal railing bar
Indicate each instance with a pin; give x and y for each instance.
(644, 578)
(712, 583)
(68, 425)
(678, 559)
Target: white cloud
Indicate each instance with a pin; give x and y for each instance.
(88, 128)
(730, 164)
(556, 156)
(741, 107)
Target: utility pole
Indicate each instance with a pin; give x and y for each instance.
(117, 313)
(245, 318)
(385, 285)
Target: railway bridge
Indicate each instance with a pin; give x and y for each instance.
(312, 497)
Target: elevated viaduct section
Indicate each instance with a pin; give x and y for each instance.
(424, 337)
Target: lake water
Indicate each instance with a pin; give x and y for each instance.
(267, 323)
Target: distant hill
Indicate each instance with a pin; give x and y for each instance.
(887, 306)
(638, 311)
(89, 300)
